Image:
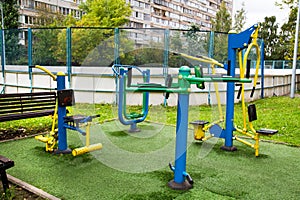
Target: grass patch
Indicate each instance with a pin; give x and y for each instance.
(281, 113)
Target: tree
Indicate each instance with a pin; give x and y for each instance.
(268, 32)
(11, 14)
(239, 19)
(222, 24)
(104, 13)
(99, 13)
(196, 42)
(13, 49)
(290, 3)
(287, 35)
(223, 20)
(45, 41)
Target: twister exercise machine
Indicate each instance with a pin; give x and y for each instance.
(56, 140)
(245, 40)
(182, 180)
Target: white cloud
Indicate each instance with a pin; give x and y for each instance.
(257, 10)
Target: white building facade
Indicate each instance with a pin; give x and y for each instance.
(175, 14)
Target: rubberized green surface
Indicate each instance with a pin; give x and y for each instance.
(112, 174)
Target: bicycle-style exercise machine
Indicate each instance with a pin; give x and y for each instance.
(56, 140)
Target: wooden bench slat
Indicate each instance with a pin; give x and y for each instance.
(26, 110)
(27, 98)
(26, 94)
(26, 115)
(17, 106)
(11, 105)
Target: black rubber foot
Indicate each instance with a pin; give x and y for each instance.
(67, 151)
(233, 148)
(180, 186)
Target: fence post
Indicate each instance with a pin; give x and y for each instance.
(211, 55)
(29, 53)
(69, 54)
(3, 56)
(262, 61)
(117, 59)
(166, 52)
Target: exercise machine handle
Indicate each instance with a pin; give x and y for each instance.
(45, 70)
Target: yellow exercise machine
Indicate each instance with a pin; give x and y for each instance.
(56, 140)
(201, 127)
(244, 66)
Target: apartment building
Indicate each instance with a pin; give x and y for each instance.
(29, 9)
(176, 14)
(171, 14)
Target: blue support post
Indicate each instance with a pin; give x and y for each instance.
(181, 137)
(230, 95)
(179, 182)
(61, 112)
(235, 41)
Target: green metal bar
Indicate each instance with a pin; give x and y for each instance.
(170, 90)
(194, 80)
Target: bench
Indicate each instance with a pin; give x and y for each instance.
(5, 164)
(17, 106)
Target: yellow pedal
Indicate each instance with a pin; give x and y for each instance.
(42, 138)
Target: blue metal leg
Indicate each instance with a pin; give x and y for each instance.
(133, 128)
(179, 182)
(229, 119)
(61, 112)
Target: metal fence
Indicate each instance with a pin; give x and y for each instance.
(79, 51)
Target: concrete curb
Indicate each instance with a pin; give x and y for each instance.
(31, 188)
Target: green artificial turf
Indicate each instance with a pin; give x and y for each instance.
(135, 166)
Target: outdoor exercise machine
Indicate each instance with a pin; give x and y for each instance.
(244, 66)
(125, 77)
(237, 43)
(56, 140)
(182, 180)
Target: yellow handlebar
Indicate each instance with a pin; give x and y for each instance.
(252, 44)
(202, 59)
(47, 71)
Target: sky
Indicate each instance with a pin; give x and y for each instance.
(257, 10)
